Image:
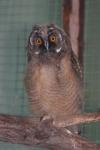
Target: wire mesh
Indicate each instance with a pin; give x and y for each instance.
(16, 20)
(92, 65)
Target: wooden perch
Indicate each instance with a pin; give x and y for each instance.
(78, 119)
(25, 130)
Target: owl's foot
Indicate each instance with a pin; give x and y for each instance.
(45, 117)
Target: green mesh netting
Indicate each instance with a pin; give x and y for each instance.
(92, 65)
(16, 20)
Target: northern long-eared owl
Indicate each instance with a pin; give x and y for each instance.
(54, 76)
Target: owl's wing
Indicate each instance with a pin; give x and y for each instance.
(79, 72)
(76, 65)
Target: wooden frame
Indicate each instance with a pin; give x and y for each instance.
(73, 23)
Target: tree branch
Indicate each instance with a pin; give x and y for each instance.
(25, 130)
(78, 119)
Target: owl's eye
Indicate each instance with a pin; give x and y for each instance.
(38, 41)
(52, 38)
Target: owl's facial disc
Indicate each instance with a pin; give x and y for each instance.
(45, 39)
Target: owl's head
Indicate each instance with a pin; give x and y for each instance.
(46, 40)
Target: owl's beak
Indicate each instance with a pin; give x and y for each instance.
(46, 45)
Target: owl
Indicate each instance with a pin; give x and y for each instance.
(53, 77)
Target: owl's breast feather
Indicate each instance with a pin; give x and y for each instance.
(55, 90)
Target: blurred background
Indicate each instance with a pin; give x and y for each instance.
(16, 20)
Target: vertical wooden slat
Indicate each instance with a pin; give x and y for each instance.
(73, 22)
(81, 29)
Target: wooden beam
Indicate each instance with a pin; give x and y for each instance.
(73, 23)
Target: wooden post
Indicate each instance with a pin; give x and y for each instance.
(73, 23)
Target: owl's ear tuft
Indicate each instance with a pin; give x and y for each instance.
(35, 27)
(51, 25)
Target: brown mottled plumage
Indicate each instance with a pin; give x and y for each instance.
(54, 77)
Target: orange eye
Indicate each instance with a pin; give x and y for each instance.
(52, 38)
(38, 41)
